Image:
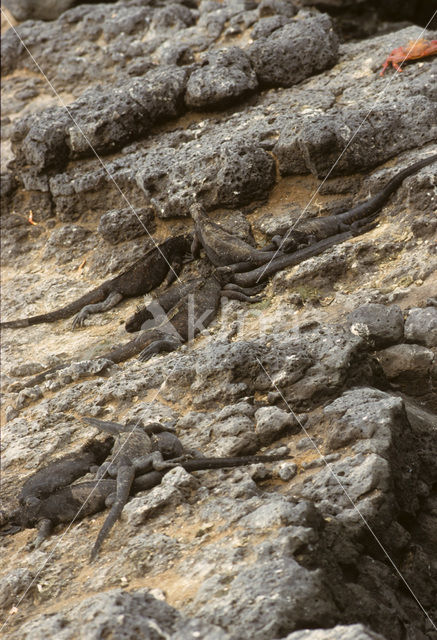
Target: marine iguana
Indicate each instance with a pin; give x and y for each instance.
(155, 312)
(315, 229)
(222, 247)
(144, 275)
(136, 447)
(65, 470)
(72, 503)
(197, 305)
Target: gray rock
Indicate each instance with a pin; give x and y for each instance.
(238, 174)
(224, 77)
(421, 326)
(408, 366)
(266, 26)
(13, 585)
(124, 615)
(67, 237)
(363, 414)
(139, 509)
(266, 600)
(273, 7)
(321, 139)
(26, 369)
(336, 489)
(272, 421)
(122, 224)
(180, 479)
(287, 471)
(278, 512)
(294, 52)
(377, 323)
(340, 632)
(104, 119)
(38, 9)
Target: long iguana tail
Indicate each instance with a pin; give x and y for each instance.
(93, 296)
(153, 478)
(125, 478)
(372, 205)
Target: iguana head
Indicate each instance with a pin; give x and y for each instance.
(197, 212)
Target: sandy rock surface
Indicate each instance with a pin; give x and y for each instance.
(266, 112)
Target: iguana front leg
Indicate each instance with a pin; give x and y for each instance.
(176, 264)
(196, 246)
(158, 346)
(111, 301)
(156, 462)
(44, 528)
(125, 478)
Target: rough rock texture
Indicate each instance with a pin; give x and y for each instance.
(242, 106)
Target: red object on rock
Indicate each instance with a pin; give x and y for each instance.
(412, 51)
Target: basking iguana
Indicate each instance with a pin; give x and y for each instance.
(316, 229)
(136, 447)
(222, 247)
(145, 274)
(151, 447)
(76, 501)
(197, 302)
(65, 470)
(156, 312)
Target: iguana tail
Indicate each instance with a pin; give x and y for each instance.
(125, 478)
(374, 204)
(153, 478)
(96, 295)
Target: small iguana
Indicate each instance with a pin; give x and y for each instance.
(315, 229)
(145, 274)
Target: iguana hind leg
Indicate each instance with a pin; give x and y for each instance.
(158, 346)
(125, 478)
(248, 291)
(111, 301)
(238, 295)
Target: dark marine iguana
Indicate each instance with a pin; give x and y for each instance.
(62, 472)
(354, 222)
(222, 247)
(156, 311)
(315, 229)
(147, 273)
(136, 447)
(173, 324)
(152, 447)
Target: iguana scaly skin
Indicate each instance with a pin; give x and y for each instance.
(72, 503)
(196, 307)
(222, 247)
(151, 445)
(319, 228)
(143, 276)
(65, 470)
